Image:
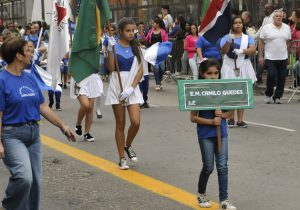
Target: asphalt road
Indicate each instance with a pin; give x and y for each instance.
(264, 167)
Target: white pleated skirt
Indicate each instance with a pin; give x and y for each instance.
(113, 92)
(92, 86)
(246, 70)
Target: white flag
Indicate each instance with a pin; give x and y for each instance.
(59, 39)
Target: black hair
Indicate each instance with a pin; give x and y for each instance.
(134, 45)
(165, 7)
(234, 11)
(232, 22)
(297, 13)
(160, 22)
(140, 23)
(205, 65)
(11, 47)
(181, 22)
(190, 31)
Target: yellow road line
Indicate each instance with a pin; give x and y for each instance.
(136, 178)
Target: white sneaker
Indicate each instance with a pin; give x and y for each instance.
(157, 88)
(123, 164)
(131, 154)
(277, 101)
(227, 205)
(268, 100)
(203, 201)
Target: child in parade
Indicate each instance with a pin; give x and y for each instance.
(144, 84)
(131, 73)
(89, 89)
(238, 47)
(65, 70)
(207, 137)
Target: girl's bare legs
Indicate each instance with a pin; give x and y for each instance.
(84, 106)
(119, 112)
(134, 115)
(85, 110)
(240, 115)
(98, 104)
(89, 115)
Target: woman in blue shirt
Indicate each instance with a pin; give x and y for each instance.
(21, 104)
(131, 73)
(205, 49)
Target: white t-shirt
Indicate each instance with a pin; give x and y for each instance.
(168, 21)
(275, 40)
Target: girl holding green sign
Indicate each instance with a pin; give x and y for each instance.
(207, 137)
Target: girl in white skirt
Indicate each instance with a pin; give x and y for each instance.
(131, 73)
(237, 45)
(88, 90)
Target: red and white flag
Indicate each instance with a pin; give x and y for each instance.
(59, 39)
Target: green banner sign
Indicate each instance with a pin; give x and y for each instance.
(212, 94)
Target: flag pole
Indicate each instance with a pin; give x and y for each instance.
(40, 37)
(116, 61)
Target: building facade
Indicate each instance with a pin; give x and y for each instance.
(21, 11)
(144, 10)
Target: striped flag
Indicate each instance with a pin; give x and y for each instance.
(157, 53)
(217, 21)
(204, 7)
(85, 53)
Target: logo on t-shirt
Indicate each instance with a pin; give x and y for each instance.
(26, 92)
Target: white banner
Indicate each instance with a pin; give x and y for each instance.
(59, 39)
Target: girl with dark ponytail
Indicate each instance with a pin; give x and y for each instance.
(131, 72)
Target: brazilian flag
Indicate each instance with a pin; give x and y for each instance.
(85, 52)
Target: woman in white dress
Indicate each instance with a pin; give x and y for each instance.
(237, 47)
(131, 73)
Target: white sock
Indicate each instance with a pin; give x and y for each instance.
(98, 103)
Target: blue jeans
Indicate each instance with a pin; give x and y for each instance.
(22, 147)
(159, 71)
(209, 150)
(144, 87)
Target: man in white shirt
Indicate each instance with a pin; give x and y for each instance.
(274, 45)
(269, 12)
(167, 18)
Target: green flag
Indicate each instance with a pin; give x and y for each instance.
(204, 7)
(85, 53)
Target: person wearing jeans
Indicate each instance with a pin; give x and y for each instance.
(21, 104)
(157, 34)
(207, 122)
(159, 71)
(208, 147)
